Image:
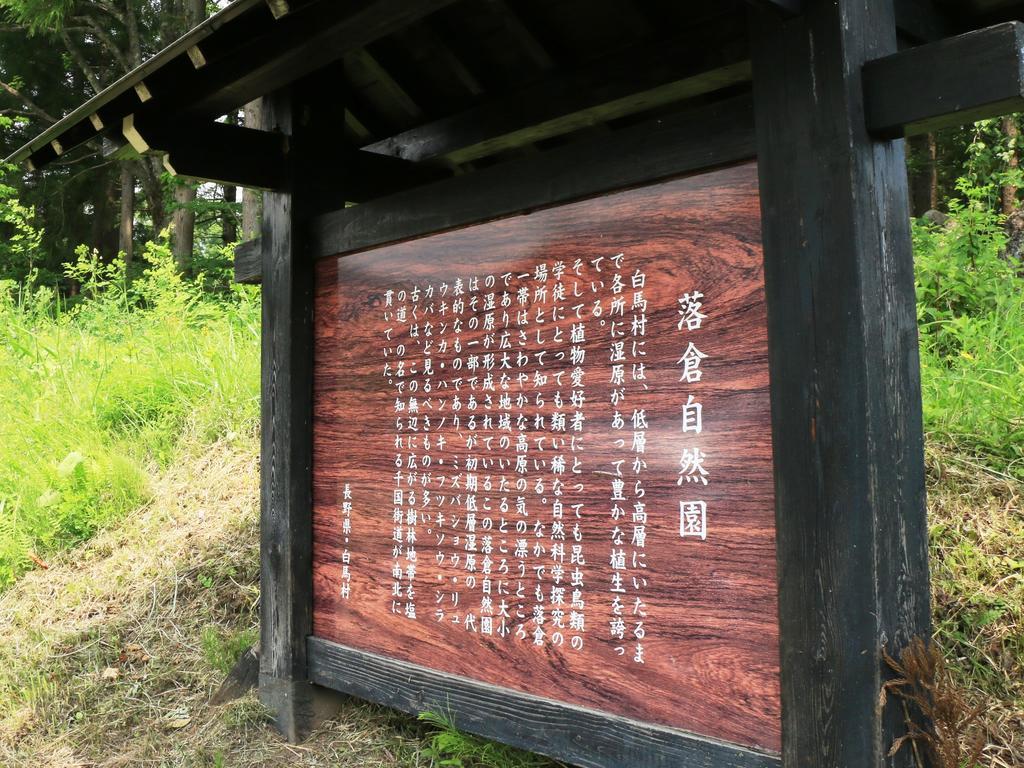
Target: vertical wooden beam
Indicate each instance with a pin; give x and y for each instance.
(846, 399)
(286, 535)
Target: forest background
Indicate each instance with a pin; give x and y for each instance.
(129, 386)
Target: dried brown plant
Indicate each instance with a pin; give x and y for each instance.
(948, 732)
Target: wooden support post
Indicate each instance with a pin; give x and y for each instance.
(286, 534)
(845, 383)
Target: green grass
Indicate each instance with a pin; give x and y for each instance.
(97, 396)
(971, 319)
(974, 401)
(448, 746)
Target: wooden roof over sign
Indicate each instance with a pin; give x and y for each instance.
(453, 84)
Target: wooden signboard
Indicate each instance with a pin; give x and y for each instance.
(542, 457)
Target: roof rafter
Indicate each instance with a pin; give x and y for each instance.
(268, 58)
(622, 84)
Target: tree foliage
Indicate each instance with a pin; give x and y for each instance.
(55, 55)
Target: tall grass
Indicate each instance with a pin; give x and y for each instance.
(970, 298)
(970, 302)
(96, 396)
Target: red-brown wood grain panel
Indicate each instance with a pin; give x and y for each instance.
(710, 634)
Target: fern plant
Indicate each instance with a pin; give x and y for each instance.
(450, 747)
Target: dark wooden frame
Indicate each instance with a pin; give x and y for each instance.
(845, 384)
(845, 396)
(669, 147)
(582, 736)
(717, 134)
(286, 377)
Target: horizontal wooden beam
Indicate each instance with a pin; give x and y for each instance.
(616, 86)
(563, 731)
(716, 134)
(236, 168)
(373, 175)
(249, 262)
(949, 82)
(218, 152)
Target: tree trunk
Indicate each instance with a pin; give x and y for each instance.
(933, 185)
(923, 173)
(102, 216)
(183, 239)
(1009, 191)
(183, 227)
(228, 220)
(153, 188)
(126, 239)
(229, 226)
(252, 201)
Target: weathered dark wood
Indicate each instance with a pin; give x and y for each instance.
(110, 106)
(230, 165)
(254, 55)
(950, 82)
(923, 20)
(364, 73)
(525, 41)
(784, 7)
(986, 12)
(285, 492)
(242, 678)
(715, 135)
(846, 400)
(213, 151)
(615, 86)
(249, 262)
(286, 541)
(376, 175)
(300, 43)
(581, 736)
(710, 650)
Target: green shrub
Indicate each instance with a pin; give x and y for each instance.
(970, 307)
(96, 395)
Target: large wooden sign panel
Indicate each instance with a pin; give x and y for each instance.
(542, 456)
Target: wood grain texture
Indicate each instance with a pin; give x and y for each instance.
(249, 262)
(584, 737)
(712, 650)
(846, 398)
(285, 451)
(286, 412)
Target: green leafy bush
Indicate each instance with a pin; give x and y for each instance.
(97, 394)
(448, 746)
(970, 308)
